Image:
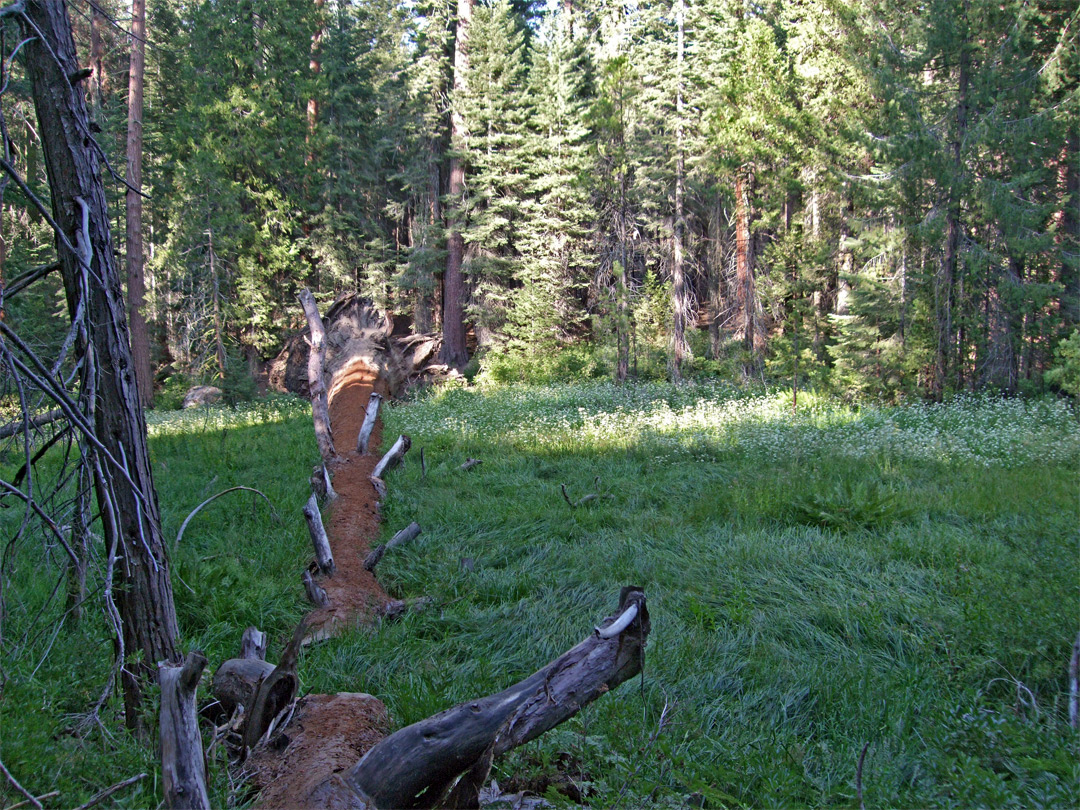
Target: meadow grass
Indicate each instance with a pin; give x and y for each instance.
(898, 578)
(903, 579)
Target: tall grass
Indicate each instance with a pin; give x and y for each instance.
(903, 579)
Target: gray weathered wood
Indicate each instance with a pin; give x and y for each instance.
(320, 404)
(236, 680)
(469, 464)
(417, 766)
(183, 768)
(253, 644)
(320, 483)
(406, 535)
(323, 555)
(275, 693)
(371, 413)
(394, 456)
(315, 592)
(396, 608)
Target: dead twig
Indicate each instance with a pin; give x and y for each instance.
(15, 784)
(858, 776)
(98, 798)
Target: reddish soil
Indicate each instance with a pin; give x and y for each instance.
(329, 733)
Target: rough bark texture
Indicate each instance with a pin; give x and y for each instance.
(183, 768)
(320, 408)
(453, 351)
(136, 278)
(127, 499)
(680, 295)
(323, 555)
(371, 413)
(746, 296)
(236, 680)
(418, 765)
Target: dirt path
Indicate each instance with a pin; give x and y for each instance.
(329, 733)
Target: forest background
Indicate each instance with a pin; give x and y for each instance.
(875, 198)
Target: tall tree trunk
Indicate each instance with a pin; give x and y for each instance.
(746, 296)
(679, 294)
(622, 322)
(136, 280)
(98, 76)
(454, 352)
(716, 256)
(944, 294)
(126, 496)
(315, 65)
(1069, 227)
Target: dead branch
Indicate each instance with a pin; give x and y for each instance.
(469, 464)
(371, 413)
(212, 498)
(253, 644)
(18, 425)
(323, 555)
(276, 694)
(183, 768)
(15, 784)
(101, 796)
(316, 594)
(393, 457)
(320, 483)
(406, 535)
(418, 766)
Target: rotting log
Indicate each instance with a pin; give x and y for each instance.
(253, 644)
(394, 456)
(418, 766)
(236, 680)
(324, 557)
(183, 768)
(320, 404)
(275, 695)
(406, 535)
(371, 413)
(316, 594)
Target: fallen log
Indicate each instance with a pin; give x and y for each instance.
(418, 766)
(324, 557)
(406, 535)
(316, 594)
(371, 413)
(320, 405)
(183, 768)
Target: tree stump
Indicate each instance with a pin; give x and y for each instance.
(183, 768)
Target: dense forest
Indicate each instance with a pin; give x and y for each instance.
(877, 198)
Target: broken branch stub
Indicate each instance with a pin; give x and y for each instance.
(183, 768)
(315, 592)
(417, 766)
(394, 456)
(408, 534)
(371, 413)
(323, 556)
(253, 644)
(320, 404)
(275, 693)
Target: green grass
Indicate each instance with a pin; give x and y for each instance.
(904, 579)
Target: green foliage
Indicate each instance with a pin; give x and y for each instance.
(850, 505)
(1065, 374)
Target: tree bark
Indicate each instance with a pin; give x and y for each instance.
(749, 327)
(1069, 227)
(183, 767)
(417, 766)
(454, 352)
(320, 404)
(680, 298)
(316, 594)
(136, 278)
(371, 413)
(124, 480)
(323, 556)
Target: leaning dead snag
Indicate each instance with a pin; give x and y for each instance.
(371, 413)
(418, 766)
(320, 404)
(183, 768)
(408, 534)
(323, 555)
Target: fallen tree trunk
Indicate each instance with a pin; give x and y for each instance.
(406, 535)
(320, 405)
(418, 766)
(183, 768)
(323, 555)
(371, 413)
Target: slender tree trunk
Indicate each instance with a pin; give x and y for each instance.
(126, 496)
(622, 322)
(716, 256)
(315, 65)
(946, 341)
(136, 280)
(679, 294)
(1069, 227)
(454, 352)
(219, 328)
(98, 76)
(746, 295)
